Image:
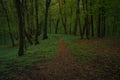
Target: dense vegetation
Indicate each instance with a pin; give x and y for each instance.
(87, 18)
(27, 25)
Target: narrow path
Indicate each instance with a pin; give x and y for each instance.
(61, 68)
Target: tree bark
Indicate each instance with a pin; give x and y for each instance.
(37, 24)
(45, 36)
(56, 29)
(92, 26)
(28, 38)
(20, 15)
(77, 17)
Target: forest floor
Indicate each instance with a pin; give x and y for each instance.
(75, 59)
(61, 68)
(69, 64)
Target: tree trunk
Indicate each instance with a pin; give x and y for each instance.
(91, 18)
(99, 25)
(56, 29)
(92, 26)
(28, 38)
(50, 27)
(77, 17)
(20, 14)
(45, 36)
(64, 24)
(87, 27)
(71, 13)
(37, 24)
(9, 28)
(63, 17)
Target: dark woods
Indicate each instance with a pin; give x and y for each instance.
(29, 19)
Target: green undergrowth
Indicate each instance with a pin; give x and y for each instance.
(88, 51)
(98, 57)
(81, 55)
(9, 59)
(85, 52)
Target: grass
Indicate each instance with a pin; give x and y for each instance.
(84, 50)
(98, 57)
(9, 59)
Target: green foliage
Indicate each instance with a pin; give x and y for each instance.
(10, 61)
(46, 49)
(97, 56)
(111, 8)
(86, 52)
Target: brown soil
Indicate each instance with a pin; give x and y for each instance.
(112, 46)
(108, 68)
(61, 68)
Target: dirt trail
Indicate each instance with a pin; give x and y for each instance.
(61, 68)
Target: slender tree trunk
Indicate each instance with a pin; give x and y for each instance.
(77, 17)
(10, 33)
(63, 16)
(91, 18)
(83, 5)
(40, 30)
(80, 28)
(64, 22)
(45, 36)
(28, 38)
(71, 13)
(70, 30)
(20, 14)
(87, 21)
(32, 18)
(103, 22)
(92, 26)
(8, 21)
(103, 26)
(50, 27)
(37, 24)
(99, 25)
(56, 29)
(86, 26)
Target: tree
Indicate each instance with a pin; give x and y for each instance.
(8, 21)
(45, 36)
(37, 24)
(77, 20)
(91, 18)
(56, 26)
(86, 27)
(20, 14)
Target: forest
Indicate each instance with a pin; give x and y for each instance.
(59, 40)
